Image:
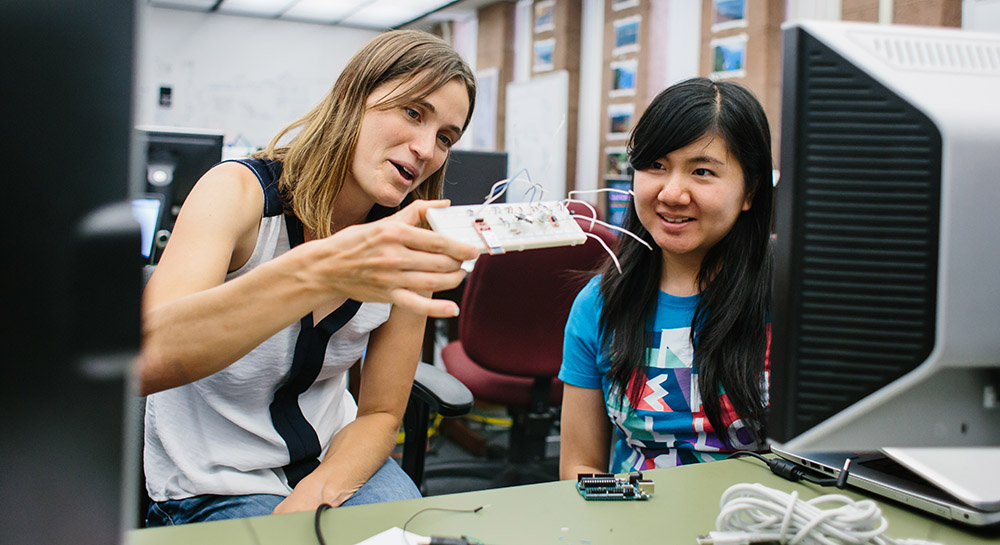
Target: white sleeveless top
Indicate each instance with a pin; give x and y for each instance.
(215, 435)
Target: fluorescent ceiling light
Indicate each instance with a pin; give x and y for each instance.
(197, 5)
(392, 13)
(261, 8)
(322, 11)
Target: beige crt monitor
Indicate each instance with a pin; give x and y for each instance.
(886, 324)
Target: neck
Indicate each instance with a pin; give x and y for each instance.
(351, 208)
(680, 275)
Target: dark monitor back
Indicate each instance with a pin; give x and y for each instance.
(71, 280)
(175, 160)
(471, 174)
(856, 252)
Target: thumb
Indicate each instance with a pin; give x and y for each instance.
(416, 212)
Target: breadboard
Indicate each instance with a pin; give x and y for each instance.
(503, 227)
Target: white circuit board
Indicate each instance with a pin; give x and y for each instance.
(503, 227)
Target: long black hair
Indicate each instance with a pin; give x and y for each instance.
(729, 329)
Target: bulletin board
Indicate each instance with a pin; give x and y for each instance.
(535, 132)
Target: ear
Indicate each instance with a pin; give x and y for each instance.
(747, 202)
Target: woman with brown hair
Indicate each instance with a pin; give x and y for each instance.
(282, 271)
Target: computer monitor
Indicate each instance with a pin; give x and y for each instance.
(886, 319)
(175, 160)
(470, 175)
(72, 274)
(148, 210)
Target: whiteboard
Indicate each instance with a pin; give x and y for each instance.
(536, 135)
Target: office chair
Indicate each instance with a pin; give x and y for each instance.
(509, 349)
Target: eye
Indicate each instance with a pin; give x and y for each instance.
(703, 172)
(446, 140)
(657, 166)
(412, 113)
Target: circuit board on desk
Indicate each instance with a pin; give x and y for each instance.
(502, 227)
(608, 486)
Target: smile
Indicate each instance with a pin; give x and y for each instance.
(676, 220)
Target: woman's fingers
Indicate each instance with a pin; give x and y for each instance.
(414, 302)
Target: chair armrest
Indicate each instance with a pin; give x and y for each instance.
(443, 393)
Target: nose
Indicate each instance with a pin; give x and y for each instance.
(674, 191)
(424, 143)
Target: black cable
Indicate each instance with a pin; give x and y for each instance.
(438, 540)
(319, 529)
(791, 471)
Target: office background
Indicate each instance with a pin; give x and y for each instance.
(249, 77)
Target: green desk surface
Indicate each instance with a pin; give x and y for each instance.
(684, 506)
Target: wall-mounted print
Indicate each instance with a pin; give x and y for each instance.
(618, 5)
(543, 54)
(623, 76)
(545, 14)
(728, 14)
(616, 163)
(617, 204)
(620, 120)
(626, 35)
(729, 57)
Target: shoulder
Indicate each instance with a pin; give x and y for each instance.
(231, 185)
(589, 298)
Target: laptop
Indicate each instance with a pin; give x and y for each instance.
(958, 484)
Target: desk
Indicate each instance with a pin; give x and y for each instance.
(684, 506)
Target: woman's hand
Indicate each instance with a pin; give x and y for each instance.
(307, 496)
(393, 260)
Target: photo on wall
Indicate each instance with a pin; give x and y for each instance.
(545, 13)
(616, 163)
(616, 204)
(728, 14)
(543, 54)
(618, 5)
(729, 57)
(623, 77)
(620, 120)
(626, 35)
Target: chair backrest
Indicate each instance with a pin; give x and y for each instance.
(515, 305)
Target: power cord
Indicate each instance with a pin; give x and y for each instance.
(790, 471)
(754, 513)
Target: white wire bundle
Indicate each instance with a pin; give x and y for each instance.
(753, 513)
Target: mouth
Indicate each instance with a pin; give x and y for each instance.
(675, 220)
(404, 171)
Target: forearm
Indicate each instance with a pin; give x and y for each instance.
(194, 336)
(355, 454)
(570, 469)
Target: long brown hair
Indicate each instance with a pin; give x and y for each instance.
(318, 158)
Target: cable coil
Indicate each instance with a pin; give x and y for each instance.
(754, 513)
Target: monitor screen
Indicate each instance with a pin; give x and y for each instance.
(147, 211)
(886, 308)
(470, 175)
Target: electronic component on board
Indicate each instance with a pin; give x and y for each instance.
(608, 486)
(500, 227)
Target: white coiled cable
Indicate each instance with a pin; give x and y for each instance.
(754, 513)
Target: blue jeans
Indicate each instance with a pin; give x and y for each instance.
(389, 483)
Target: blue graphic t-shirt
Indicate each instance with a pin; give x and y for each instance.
(665, 425)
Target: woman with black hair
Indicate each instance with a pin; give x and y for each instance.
(674, 347)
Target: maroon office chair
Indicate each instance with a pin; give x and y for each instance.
(509, 348)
